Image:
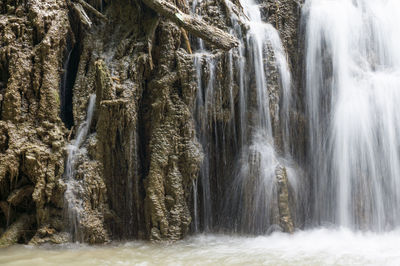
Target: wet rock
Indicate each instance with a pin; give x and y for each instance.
(285, 218)
(19, 195)
(17, 230)
(172, 140)
(142, 151)
(32, 43)
(49, 235)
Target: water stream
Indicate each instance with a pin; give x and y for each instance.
(74, 191)
(253, 192)
(249, 131)
(353, 81)
(238, 141)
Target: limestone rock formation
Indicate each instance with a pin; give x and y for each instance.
(142, 153)
(33, 39)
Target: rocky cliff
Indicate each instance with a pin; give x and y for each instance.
(144, 151)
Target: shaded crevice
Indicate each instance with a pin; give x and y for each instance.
(4, 76)
(67, 84)
(143, 136)
(144, 122)
(17, 201)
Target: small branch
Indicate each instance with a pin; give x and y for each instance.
(150, 39)
(276, 16)
(194, 25)
(83, 17)
(70, 133)
(187, 42)
(92, 10)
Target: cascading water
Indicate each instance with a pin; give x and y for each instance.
(74, 191)
(251, 197)
(206, 113)
(352, 95)
(254, 191)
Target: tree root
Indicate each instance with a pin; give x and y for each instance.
(187, 42)
(92, 10)
(194, 25)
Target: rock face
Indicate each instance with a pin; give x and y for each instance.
(146, 140)
(33, 40)
(142, 154)
(285, 15)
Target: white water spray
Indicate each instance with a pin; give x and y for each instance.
(251, 197)
(353, 94)
(74, 192)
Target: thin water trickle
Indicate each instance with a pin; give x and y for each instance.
(352, 98)
(101, 5)
(74, 192)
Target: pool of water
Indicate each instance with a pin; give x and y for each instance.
(315, 247)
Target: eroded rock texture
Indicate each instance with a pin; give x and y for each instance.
(145, 131)
(285, 15)
(137, 165)
(233, 200)
(33, 37)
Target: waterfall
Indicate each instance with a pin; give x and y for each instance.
(253, 194)
(205, 114)
(204, 63)
(74, 192)
(352, 94)
(236, 125)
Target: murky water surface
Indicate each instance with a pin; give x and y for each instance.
(317, 247)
